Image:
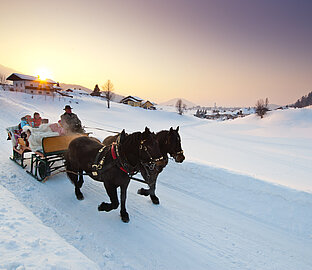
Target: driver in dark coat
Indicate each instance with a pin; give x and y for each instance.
(70, 121)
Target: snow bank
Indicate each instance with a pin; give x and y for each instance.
(290, 123)
(25, 243)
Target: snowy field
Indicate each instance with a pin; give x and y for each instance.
(242, 199)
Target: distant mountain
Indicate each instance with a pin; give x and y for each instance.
(172, 102)
(273, 106)
(7, 71)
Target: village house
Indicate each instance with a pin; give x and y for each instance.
(132, 101)
(148, 105)
(31, 84)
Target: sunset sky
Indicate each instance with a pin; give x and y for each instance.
(229, 52)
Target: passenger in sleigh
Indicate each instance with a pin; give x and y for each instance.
(25, 121)
(35, 135)
(18, 132)
(57, 127)
(36, 121)
(22, 142)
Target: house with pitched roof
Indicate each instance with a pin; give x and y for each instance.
(148, 105)
(132, 101)
(31, 84)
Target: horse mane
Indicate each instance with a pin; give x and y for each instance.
(133, 138)
(162, 135)
(129, 146)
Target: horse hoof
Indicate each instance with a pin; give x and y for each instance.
(125, 218)
(103, 207)
(79, 197)
(155, 200)
(143, 192)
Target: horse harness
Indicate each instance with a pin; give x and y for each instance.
(122, 163)
(98, 166)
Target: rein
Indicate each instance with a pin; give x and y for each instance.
(78, 174)
(110, 131)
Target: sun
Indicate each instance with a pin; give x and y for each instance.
(43, 74)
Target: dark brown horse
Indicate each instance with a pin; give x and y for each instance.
(112, 164)
(169, 143)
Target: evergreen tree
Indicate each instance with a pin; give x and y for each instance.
(96, 91)
(304, 101)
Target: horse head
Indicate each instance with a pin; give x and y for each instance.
(151, 159)
(174, 143)
(149, 149)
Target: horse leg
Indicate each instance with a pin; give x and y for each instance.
(153, 197)
(146, 177)
(143, 191)
(80, 182)
(112, 193)
(123, 196)
(151, 191)
(74, 179)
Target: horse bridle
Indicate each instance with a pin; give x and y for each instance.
(152, 160)
(151, 164)
(177, 153)
(174, 154)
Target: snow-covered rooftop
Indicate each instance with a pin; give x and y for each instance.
(133, 98)
(23, 77)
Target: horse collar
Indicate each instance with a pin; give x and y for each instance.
(115, 156)
(98, 164)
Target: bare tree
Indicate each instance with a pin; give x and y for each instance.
(3, 79)
(108, 89)
(267, 103)
(180, 106)
(262, 107)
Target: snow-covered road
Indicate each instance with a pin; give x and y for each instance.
(208, 217)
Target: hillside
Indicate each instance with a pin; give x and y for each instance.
(75, 86)
(304, 101)
(6, 70)
(242, 199)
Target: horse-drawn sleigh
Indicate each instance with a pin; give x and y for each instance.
(113, 162)
(44, 161)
